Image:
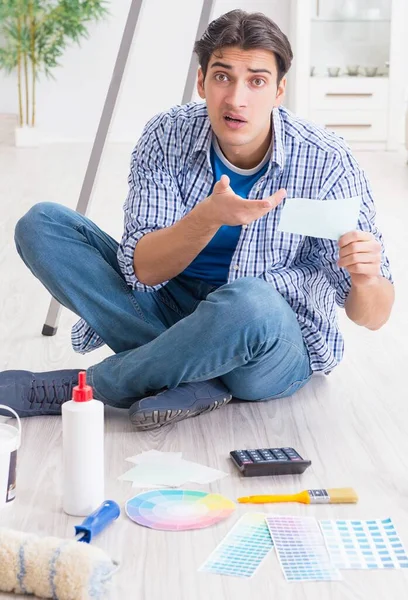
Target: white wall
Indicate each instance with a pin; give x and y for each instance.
(69, 108)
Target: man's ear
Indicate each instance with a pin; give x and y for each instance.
(200, 83)
(280, 94)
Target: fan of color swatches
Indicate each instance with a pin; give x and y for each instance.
(364, 544)
(301, 549)
(244, 548)
(178, 510)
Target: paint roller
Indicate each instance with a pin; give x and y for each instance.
(50, 567)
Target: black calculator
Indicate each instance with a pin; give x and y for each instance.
(269, 461)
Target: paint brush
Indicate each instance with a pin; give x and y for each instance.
(330, 496)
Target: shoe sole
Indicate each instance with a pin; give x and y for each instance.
(146, 420)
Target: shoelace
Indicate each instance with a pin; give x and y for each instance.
(42, 392)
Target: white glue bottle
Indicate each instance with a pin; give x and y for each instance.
(83, 451)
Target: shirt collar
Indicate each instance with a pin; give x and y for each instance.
(278, 147)
(203, 142)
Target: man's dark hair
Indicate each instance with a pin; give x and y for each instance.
(247, 31)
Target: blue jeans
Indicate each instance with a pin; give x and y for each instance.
(243, 332)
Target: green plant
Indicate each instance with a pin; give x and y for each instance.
(34, 35)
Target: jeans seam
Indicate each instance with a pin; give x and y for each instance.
(124, 285)
(91, 382)
(171, 305)
(210, 374)
(77, 228)
(174, 307)
(303, 353)
(294, 383)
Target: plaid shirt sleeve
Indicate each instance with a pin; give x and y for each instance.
(352, 182)
(153, 200)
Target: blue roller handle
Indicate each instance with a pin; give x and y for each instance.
(97, 521)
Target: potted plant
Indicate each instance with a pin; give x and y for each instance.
(33, 37)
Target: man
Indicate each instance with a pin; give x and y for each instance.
(204, 299)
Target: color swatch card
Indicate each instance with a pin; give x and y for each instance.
(364, 544)
(243, 550)
(301, 549)
(178, 510)
(320, 218)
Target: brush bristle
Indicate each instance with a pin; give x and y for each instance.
(342, 496)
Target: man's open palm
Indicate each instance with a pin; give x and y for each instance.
(230, 209)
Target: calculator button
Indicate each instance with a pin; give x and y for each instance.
(244, 457)
(292, 453)
(267, 455)
(279, 454)
(254, 454)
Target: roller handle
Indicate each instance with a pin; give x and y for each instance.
(97, 521)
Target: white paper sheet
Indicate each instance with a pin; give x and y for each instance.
(167, 469)
(320, 218)
(148, 475)
(202, 474)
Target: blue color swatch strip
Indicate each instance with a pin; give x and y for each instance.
(364, 544)
(243, 549)
(301, 549)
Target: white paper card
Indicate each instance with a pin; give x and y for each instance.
(320, 218)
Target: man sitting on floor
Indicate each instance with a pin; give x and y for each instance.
(204, 299)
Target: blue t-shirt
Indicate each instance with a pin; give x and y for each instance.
(213, 262)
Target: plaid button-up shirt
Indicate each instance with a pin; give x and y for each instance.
(171, 173)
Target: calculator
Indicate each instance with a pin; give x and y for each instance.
(269, 461)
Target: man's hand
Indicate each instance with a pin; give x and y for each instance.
(227, 208)
(360, 254)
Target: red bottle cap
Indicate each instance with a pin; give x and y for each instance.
(82, 392)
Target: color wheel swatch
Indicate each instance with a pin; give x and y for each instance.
(364, 544)
(244, 548)
(178, 510)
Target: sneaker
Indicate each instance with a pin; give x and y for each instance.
(34, 394)
(173, 405)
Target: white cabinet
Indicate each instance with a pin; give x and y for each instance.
(347, 93)
(355, 108)
(348, 71)
(354, 126)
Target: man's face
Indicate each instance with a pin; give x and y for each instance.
(240, 89)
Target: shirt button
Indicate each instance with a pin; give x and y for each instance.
(236, 267)
(244, 226)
